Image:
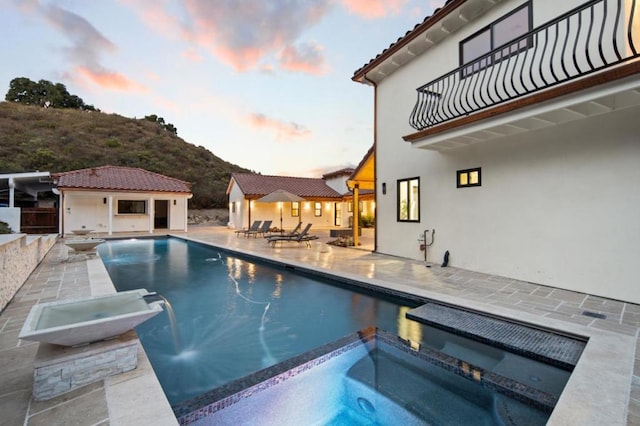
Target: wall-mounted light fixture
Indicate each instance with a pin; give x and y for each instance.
(104, 200)
(175, 202)
(384, 188)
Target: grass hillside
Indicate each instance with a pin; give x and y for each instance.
(57, 140)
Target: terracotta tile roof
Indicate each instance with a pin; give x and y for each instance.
(361, 193)
(342, 172)
(360, 74)
(256, 186)
(120, 178)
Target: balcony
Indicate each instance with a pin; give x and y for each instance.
(586, 48)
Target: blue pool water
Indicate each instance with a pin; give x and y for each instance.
(233, 317)
(367, 378)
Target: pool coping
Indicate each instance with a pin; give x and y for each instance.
(134, 396)
(597, 391)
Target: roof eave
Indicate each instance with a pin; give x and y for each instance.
(360, 76)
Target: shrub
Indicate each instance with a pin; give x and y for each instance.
(367, 221)
(5, 228)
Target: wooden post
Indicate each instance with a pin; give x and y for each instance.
(356, 214)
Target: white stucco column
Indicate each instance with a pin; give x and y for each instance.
(61, 197)
(12, 190)
(110, 215)
(186, 214)
(151, 214)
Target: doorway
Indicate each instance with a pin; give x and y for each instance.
(161, 214)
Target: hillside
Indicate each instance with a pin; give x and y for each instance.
(57, 140)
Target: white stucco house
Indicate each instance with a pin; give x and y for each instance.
(509, 131)
(325, 202)
(113, 199)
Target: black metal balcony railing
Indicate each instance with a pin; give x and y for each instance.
(589, 38)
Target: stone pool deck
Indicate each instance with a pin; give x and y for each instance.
(604, 389)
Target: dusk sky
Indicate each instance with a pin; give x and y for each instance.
(264, 84)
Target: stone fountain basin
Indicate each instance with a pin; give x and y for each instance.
(84, 245)
(81, 231)
(82, 321)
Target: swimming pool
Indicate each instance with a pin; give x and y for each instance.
(234, 316)
(368, 378)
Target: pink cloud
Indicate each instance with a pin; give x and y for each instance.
(244, 35)
(158, 15)
(306, 58)
(267, 69)
(85, 49)
(241, 34)
(27, 6)
(372, 9)
(285, 132)
(192, 55)
(107, 79)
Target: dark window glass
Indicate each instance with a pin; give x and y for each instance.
(132, 207)
(511, 26)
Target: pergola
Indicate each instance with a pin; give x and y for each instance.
(30, 183)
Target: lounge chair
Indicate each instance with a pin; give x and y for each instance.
(295, 231)
(301, 237)
(254, 227)
(260, 231)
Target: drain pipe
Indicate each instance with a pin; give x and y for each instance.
(424, 238)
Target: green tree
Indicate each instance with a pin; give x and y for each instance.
(43, 93)
(167, 126)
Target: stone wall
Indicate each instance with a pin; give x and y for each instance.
(60, 369)
(19, 256)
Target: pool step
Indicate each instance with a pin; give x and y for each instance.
(553, 348)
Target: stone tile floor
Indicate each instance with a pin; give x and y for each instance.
(109, 402)
(57, 279)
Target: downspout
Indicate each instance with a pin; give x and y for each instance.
(375, 157)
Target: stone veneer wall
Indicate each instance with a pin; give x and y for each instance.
(19, 256)
(60, 369)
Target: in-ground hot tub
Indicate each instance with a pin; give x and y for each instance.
(81, 321)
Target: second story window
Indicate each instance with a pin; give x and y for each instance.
(469, 177)
(509, 27)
